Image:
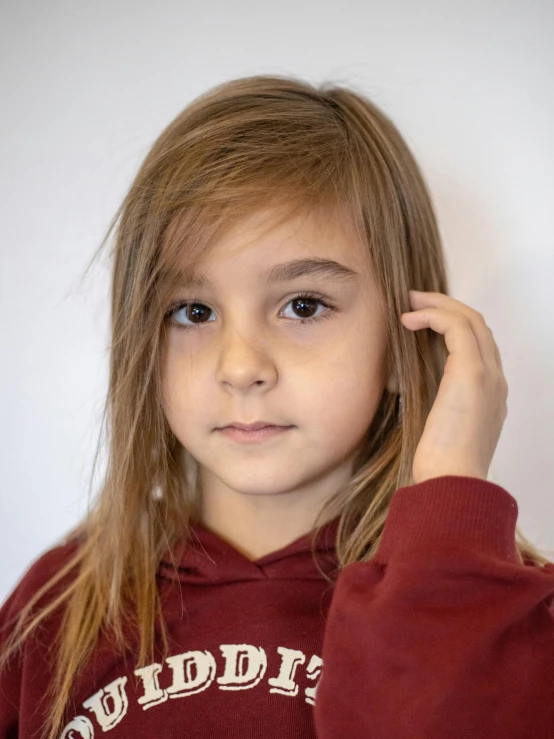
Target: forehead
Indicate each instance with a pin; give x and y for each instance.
(274, 248)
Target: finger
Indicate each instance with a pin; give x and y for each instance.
(486, 343)
(456, 328)
(498, 357)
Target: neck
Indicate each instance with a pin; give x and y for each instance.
(256, 525)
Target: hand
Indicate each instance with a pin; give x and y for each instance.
(464, 425)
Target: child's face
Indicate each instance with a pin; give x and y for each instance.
(246, 357)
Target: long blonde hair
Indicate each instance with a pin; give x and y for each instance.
(243, 145)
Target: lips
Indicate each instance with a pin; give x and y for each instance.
(252, 426)
(257, 436)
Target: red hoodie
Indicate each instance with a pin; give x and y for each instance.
(442, 635)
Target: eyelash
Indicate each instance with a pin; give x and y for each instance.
(305, 295)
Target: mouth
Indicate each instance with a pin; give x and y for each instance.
(254, 435)
(257, 426)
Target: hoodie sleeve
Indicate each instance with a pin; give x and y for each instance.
(24, 665)
(443, 634)
(10, 675)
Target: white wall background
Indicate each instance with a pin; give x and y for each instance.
(87, 87)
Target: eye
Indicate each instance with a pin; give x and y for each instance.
(189, 311)
(305, 302)
(198, 312)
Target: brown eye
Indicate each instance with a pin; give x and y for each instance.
(197, 310)
(197, 313)
(305, 306)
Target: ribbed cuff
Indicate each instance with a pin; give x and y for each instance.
(451, 511)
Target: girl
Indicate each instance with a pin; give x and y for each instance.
(342, 569)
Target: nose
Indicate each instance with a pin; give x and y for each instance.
(245, 360)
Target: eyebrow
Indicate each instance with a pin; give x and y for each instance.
(312, 267)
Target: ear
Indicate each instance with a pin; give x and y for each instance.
(393, 385)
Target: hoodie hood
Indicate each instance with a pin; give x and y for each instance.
(206, 559)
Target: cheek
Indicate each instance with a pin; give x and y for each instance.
(188, 399)
(348, 389)
(177, 398)
(337, 387)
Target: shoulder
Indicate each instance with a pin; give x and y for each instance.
(37, 575)
(17, 649)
